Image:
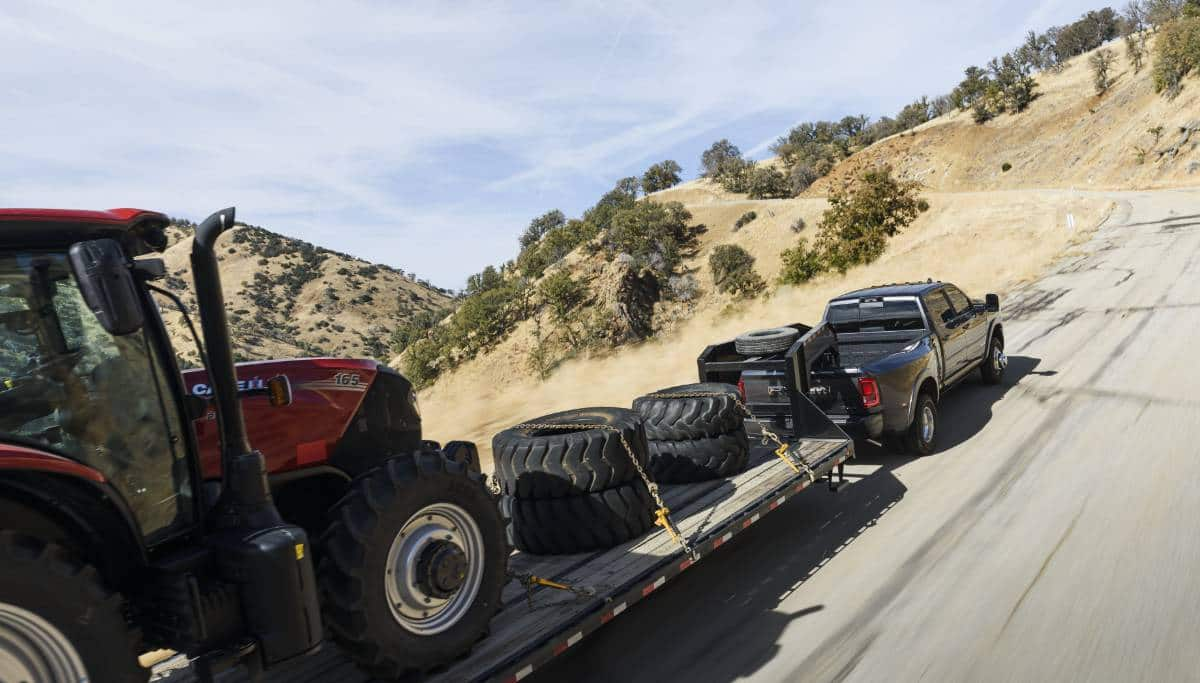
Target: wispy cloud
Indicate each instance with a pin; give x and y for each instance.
(426, 136)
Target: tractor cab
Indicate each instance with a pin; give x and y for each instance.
(81, 392)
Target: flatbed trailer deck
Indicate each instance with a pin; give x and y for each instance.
(532, 628)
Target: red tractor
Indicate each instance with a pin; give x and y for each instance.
(135, 514)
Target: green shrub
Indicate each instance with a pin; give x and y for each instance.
(718, 158)
(736, 176)
(800, 264)
(661, 176)
(485, 318)
(733, 271)
(1176, 54)
(652, 233)
(1101, 61)
(860, 218)
(541, 225)
(422, 361)
(768, 183)
(563, 294)
(744, 220)
(1005, 167)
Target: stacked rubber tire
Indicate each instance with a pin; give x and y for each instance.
(566, 489)
(696, 438)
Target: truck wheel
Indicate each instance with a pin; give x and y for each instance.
(681, 462)
(994, 365)
(922, 433)
(677, 419)
(552, 463)
(412, 565)
(764, 342)
(57, 620)
(576, 524)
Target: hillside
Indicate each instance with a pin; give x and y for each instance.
(987, 230)
(288, 298)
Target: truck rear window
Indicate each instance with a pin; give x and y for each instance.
(874, 315)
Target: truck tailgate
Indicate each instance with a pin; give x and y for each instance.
(523, 638)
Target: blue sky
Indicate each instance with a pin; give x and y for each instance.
(426, 135)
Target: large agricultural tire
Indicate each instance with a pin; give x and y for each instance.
(58, 622)
(418, 531)
(555, 463)
(682, 462)
(582, 523)
(766, 342)
(691, 418)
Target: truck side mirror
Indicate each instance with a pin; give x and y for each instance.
(993, 303)
(106, 282)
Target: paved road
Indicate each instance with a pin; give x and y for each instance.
(1052, 538)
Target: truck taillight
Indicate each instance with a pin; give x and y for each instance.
(870, 392)
(742, 388)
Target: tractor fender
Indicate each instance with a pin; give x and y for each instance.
(60, 500)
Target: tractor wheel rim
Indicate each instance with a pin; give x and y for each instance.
(33, 649)
(927, 425)
(431, 529)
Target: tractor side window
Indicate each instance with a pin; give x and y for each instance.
(72, 388)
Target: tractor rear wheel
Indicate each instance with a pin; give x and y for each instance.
(57, 620)
(412, 564)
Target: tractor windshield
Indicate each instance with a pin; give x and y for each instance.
(69, 386)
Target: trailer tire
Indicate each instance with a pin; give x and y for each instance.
(692, 460)
(582, 523)
(921, 437)
(425, 513)
(764, 342)
(57, 617)
(678, 419)
(534, 464)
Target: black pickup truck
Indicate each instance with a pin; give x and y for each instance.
(877, 364)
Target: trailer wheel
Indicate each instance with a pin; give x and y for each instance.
(537, 463)
(575, 524)
(764, 342)
(691, 460)
(57, 620)
(994, 365)
(922, 433)
(678, 419)
(413, 563)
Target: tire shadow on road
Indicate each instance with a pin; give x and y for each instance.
(721, 620)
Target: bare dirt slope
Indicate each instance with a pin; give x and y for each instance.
(287, 298)
(988, 230)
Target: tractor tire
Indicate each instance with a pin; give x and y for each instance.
(683, 462)
(576, 524)
(766, 342)
(412, 565)
(58, 622)
(677, 419)
(535, 464)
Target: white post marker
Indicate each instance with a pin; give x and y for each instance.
(1070, 222)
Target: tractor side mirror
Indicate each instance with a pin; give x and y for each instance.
(993, 303)
(106, 282)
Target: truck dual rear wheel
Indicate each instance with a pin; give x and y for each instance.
(922, 433)
(57, 620)
(412, 564)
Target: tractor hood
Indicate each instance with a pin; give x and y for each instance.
(345, 413)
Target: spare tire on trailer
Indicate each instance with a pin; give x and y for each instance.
(762, 342)
(581, 523)
(412, 564)
(561, 459)
(692, 460)
(698, 417)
